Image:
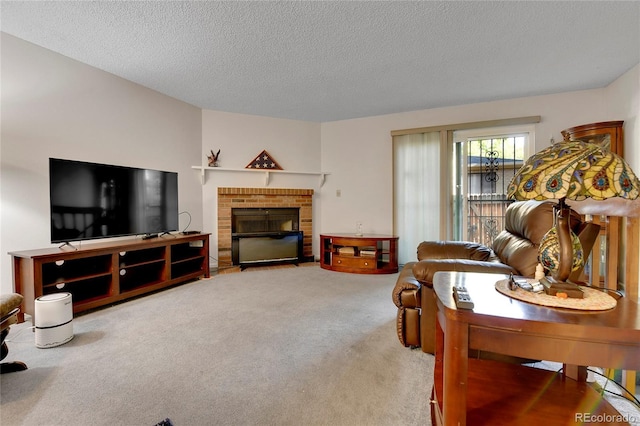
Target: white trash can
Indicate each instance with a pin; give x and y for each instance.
(53, 320)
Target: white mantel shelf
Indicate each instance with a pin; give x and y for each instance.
(267, 173)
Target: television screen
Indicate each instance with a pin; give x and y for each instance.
(90, 200)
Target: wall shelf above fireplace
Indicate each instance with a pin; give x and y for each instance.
(267, 173)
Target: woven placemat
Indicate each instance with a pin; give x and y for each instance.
(594, 300)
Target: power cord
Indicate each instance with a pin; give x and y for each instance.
(604, 388)
(18, 333)
(189, 223)
(226, 265)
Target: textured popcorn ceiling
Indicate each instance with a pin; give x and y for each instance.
(324, 61)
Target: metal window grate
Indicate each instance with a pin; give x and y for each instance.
(491, 163)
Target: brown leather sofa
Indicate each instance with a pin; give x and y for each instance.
(514, 250)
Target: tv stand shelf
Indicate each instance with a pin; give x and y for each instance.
(104, 273)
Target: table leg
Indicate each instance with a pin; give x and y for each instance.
(456, 351)
(575, 372)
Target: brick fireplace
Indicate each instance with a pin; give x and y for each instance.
(230, 198)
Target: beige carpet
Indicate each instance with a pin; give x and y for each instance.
(296, 346)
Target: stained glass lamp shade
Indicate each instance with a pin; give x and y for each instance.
(570, 170)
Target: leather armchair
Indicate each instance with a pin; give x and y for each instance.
(514, 250)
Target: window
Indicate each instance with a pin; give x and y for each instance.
(483, 167)
(416, 191)
(436, 176)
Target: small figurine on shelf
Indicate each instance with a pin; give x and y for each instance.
(213, 159)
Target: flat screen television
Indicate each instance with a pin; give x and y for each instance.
(91, 200)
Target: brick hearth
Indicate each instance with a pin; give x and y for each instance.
(229, 198)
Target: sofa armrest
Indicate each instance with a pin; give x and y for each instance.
(406, 287)
(424, 270)
(454, 250)
(8, 302)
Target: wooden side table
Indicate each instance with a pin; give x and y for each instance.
(360, 254)
(489, 392)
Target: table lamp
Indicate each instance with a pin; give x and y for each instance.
(571, 170)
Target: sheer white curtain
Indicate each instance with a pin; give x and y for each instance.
(416, 191)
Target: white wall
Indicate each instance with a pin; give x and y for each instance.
(295, 145)
(358, 152)
(623, 102)
(53, 106)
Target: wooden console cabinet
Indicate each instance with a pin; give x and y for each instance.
(104, 273)
(608, 133)
(367, 254)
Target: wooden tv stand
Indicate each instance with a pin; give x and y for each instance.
(103, 273)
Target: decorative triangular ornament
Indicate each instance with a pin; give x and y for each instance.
(264, 161)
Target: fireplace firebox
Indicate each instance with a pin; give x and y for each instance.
(265, 235)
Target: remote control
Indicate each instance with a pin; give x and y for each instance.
(462, 298)
(523, 284)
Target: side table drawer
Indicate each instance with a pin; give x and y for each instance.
(364, 262)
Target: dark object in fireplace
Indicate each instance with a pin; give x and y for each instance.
(265, 235)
